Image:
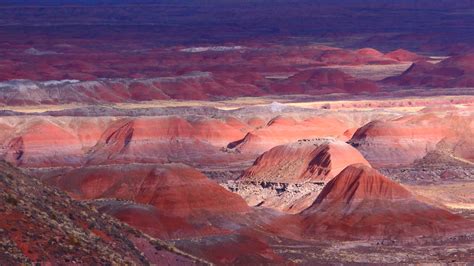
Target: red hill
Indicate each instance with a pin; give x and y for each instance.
(369, 52)
(323, 80)
(403, 140)
(361, 203)
(315, 160)
(404, 55)
(453, 72)
(39, 224)
(182, 200)
(282, 130)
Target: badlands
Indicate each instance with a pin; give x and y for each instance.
(268, 179)
(236, 132)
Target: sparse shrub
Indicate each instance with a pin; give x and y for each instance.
(11, 200)
(91, 226)
(326, 106)
(73, 240)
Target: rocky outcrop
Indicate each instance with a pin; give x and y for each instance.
(285, 197)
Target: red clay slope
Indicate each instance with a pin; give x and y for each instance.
(321, 81)
(182, 201)
(282, 130)
(403, 140)
(41, 224)
(43, 141)
(164, 139)
(173, 201)
(305, 160)
(404, 56)
(360, 203)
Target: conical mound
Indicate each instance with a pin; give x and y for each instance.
(361, 203)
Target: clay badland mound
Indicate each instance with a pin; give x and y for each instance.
(403, 55)
(282, 130)
(305, 160)
(173, 194)
(403, 140)
(323, 80)
(44, 141)
(41, 224)
(456, 71)
(361, 203)
(176, 188)
(172, 201)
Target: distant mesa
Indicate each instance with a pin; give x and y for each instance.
(364, 56)
(193, 73)
(453, 72)
(370, 52)
(323, 80)
(212, 49)
(404, 56)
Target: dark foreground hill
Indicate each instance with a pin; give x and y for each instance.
(41, 224)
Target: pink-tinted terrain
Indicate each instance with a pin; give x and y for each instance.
(236, 132)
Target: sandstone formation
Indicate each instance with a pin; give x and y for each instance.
(236, 132)
(370, 52)
(164, 139)
(31, 143)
